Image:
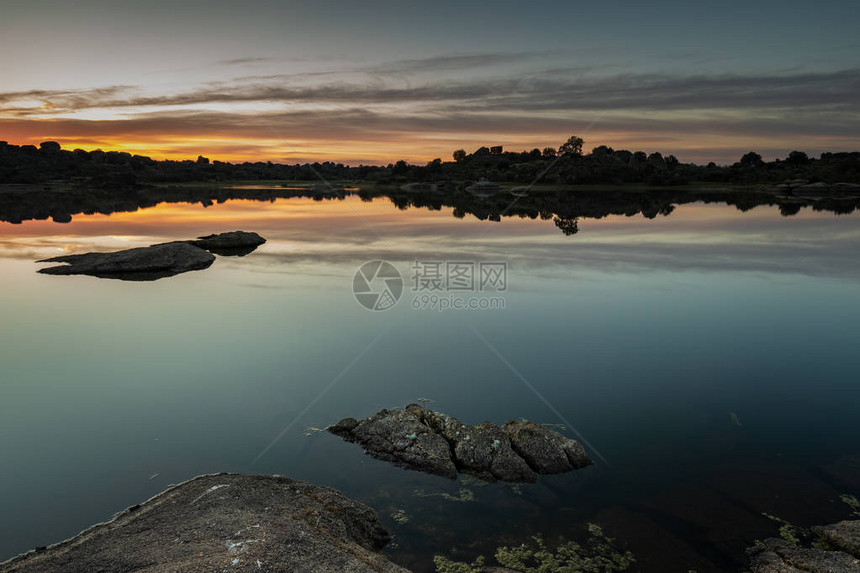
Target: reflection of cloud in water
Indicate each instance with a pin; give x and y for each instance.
(553, 259)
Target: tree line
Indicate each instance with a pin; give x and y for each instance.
(567, 164)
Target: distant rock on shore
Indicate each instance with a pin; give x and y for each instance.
(819, 188)
(156, 261)
(225, 522)
(423, 440)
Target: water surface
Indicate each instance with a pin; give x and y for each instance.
(707, 357)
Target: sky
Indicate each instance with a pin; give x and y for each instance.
(376, 81)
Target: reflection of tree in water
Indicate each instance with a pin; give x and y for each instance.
(564, 208)
(790, 209)
(567, 225)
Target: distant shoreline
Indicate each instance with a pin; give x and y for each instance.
(568, 165)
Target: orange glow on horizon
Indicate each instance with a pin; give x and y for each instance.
(417, 149)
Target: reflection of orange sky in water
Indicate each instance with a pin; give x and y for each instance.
(181, 219)
(307, 237)
(168, 218)
(357, 222)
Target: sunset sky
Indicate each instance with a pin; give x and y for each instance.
(374, 82)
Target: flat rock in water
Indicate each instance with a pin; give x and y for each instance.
(423, 440)
(779, 556)
(157, 261)
(233, 243)
(225, 522)
(143, 263)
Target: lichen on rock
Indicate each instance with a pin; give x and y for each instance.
(596, 554)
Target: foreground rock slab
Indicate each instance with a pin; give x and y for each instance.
(157, 261)
(423, 440)
(844, 535)
(225, 522)
(780, 556)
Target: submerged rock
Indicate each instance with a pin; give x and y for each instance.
(781, 556)
(225, 522)
(233, 243)
(143, 263)
(432, 442)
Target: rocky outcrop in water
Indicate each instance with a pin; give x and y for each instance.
(225, 522)
(156, 261)
(143, 263)
(233, 243)
(423, 440)
(781, 556)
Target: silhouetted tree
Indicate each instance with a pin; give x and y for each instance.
(550, 152)
(797, 158)
(573, 146)
(656, 159)
(672, 162)
(789, 209)
(751, 160)
(459, 155)
(568, 226)
(49, 147)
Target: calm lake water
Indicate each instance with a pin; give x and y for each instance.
(708, 357)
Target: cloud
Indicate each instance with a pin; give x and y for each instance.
(458, 62)
(242, 61)
(365, 124)
(536, 247)
(539, 91)
(65, 99)
(377, 108)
